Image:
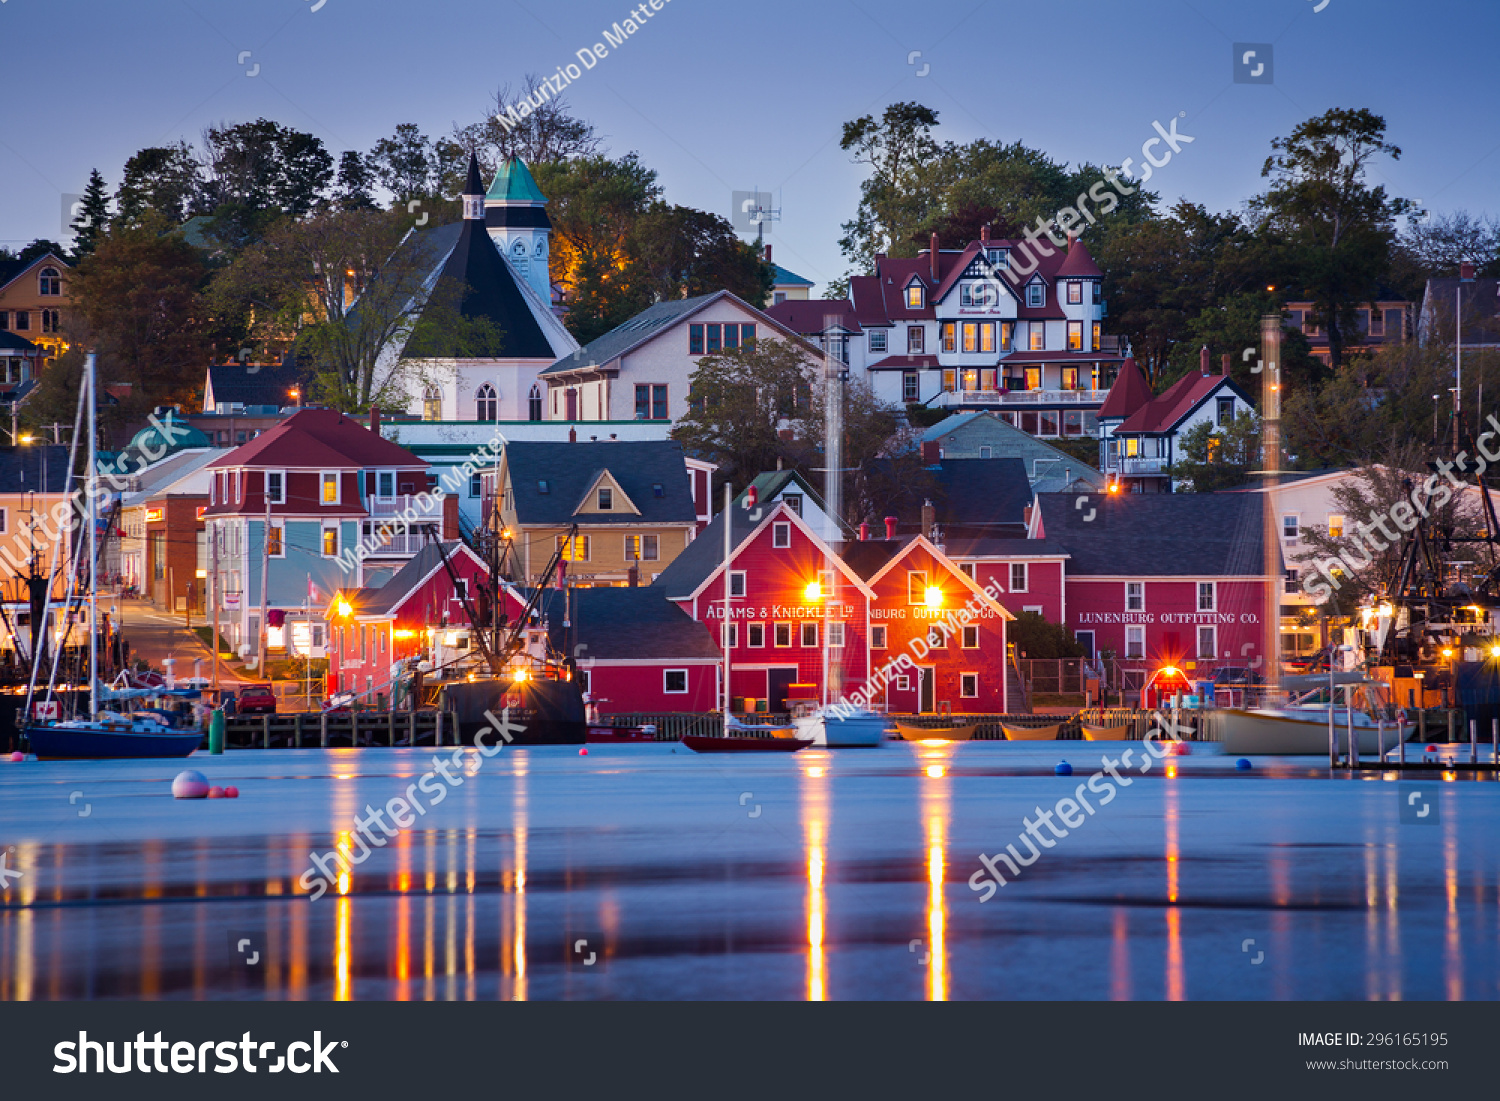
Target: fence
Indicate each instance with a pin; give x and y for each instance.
(347, 728)
(1053, 676)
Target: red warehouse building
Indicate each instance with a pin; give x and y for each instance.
(1030, 575)
(1169, 579)
(788, 593)
(917, 590)
(418, 613)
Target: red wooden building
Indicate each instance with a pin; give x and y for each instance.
(918, 593)
(1029, 575)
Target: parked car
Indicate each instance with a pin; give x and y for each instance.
(257, 699)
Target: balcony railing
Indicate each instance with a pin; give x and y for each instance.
(1023, 397)
(396, 506)
(1136, 465)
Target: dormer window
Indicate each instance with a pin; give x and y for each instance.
(542, 487)
(914, 296)
(977, 294)
(998, 257)
(1036, 295)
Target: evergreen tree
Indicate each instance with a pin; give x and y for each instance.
(92, 219)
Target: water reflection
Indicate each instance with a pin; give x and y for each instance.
(935, 803)
(1171, 816)
(814, 786)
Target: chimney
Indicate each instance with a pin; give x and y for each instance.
(375, 419)
(864, 533)
(1224, 365)
(1466, 273)
(450, 517)
(932, 453)
(1203, 360)
(572, 435)
(929, 517)
(984, 233)
(890, 527)
(562, 573)
(936, 255)
(768, 252)
(1026, 516)
(635, 575)
(879, 256)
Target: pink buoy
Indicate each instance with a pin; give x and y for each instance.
(190, 784)
(231, 793)
(216, 793)
(1182, 749)
(584, 752)
(18, 756)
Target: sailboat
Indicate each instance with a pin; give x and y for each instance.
(106, 734)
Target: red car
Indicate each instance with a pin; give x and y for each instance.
(257, 699)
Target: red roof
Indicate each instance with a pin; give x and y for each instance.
(903, 363)
(1164, 411)
(320, 438)
(1128, 394)
(808, 316)
(1078, 264)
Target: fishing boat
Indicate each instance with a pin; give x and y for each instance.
(107, 735)
(754, 743)
(1301, 727)
(1031, 733)
(599, 734)
(1106, 733)
(954, 733)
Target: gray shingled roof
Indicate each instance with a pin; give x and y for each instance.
(571, 469)
(21, 471)
(382, 601)
(1157, 534)
(622, 338)
(626, 623)
(705, 553)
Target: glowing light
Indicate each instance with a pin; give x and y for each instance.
(814, 591)
(471, 678)
(1495, 651)
(1385, 610)
(1170, 671)
(403, 633)
(26, 438)
(1114, 487)
(342, 609)
(450, 639)
(519, 676)
(935, 771)
(815, 772)
(1447, 653)
(933, 741)
(934, 596)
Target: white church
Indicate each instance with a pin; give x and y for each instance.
(499, 252)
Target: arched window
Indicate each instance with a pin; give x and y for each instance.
(432, 404)
(488, 403)
(534, 402)
(49, 282)
(519, 248)
(541, 247)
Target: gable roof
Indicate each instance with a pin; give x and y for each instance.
(703, 558)
(255, 383)
(982, 493)
(1009, 442)
(569, 469)
(784, 278)
(921, 542)
(11, 270)
(1164, 412)
(413, 574)
(1158, 534)
(1129, 392)
(808, 316)
(491, 293)
(321, 438)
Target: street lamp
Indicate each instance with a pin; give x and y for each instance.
(934, 596)
(813, 592)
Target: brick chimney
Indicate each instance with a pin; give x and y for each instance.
(1466, 273)
(1224, 365)
(984, 233)
(929, 518)
(572, 435)
(375, 419)
(768, 252)
(936, 255)
(890, 527)
(450, 516)
(1203, 359)
(932, 453)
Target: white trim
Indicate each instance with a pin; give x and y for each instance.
(686, 683)
(1213, 595)
(948, 563)
(783, 512)
(338, 487)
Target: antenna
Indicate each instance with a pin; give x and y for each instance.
(753, 209)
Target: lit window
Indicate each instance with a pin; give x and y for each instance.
(1098, 342)
(1075, 293)
(914, 296)
(330, 489)
(1075, 334)
(432, 404)
(575, 549)
(947, 341)
(1038, 336)
(273, 541)
(330, 542)
(1335, 526)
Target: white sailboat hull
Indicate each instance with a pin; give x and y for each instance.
(1281, 735)
(862, 729)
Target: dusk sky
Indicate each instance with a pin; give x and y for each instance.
(718, 97)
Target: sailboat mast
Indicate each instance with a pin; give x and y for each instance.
(724, 629)
(92, 486)
(833, 482)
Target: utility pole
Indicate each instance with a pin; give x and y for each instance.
(213, 574)
(265, 565)
(1270, 428)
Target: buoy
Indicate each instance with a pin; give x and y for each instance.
(231, 793)
(1182, 749)
(18, 756)
(190, 784)
(1432, 749)
(1243, 764)
(216, 793)
(1063, 769)
(584, 752)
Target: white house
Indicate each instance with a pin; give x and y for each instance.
(641, 370)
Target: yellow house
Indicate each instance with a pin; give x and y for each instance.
(34, 300)
(633, 505)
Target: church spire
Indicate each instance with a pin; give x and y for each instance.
(473, 196)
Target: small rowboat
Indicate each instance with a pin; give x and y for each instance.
(604, 735)
(1031, 733)
(912, 733)
(1106, 733)
(729, 744)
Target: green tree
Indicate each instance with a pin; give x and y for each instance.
(546, 133)
(1334, 230)
(356, 181)
(92, 220)
(749, 407)
(678, 252)
(1231, 326)
(1035, 637)
(164, 179)
(1214, 458)
(406, 163)
(893, 203)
